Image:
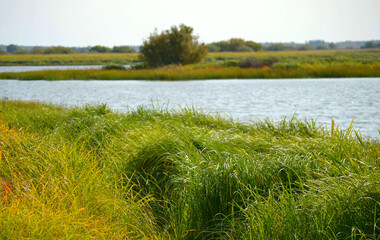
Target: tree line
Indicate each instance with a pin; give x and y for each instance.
(179, 46)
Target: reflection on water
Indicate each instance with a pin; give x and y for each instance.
(343, 100)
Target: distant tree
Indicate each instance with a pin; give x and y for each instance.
(316, 43)
(13, 48)
(305, 47)
(243, 48)
(212, 47)
(276, 47)
(333, 46)
(234, 45)
(81, 49)
(2, 51)
(100, 49)
(58, 50)
(321, 47)
(254, 45)
(21, 52)
(371, 44)
(175, 46)
(38, 50)
(280, 47)
(123, 49)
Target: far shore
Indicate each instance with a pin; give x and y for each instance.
(203, 73)
(222, 65)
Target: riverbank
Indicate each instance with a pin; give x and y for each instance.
(226, 65)
(293, 58)
(87, 172)
(199, 73)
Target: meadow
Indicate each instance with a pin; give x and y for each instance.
(227, 65)
(68, 59)
(154, 173)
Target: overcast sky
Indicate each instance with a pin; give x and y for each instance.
(127, 22)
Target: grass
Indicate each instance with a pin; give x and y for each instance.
(87, 172)
(308, 64)
(199, 73)
(68, 59)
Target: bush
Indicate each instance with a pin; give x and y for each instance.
(58, 50)
(13, 48)
(234, 45)
(113, 67)
(321, 47)
(100, 49)
(177, 46)
(279, 47)
(252, 62)
(305, 47)
(123, 49)
(21, 52)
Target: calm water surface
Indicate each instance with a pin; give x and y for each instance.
(343, 100)
(41, 68)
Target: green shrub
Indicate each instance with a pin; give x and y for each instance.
(58, 50)
(114, 67)
(175, 46)
(100, 49)
(123, 49)
(252, 62)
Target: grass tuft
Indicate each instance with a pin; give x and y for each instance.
(154, 173)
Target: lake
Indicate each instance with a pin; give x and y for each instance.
(42, 68)
(343, 100)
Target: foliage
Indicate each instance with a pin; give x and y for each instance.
(2, 51)
(153, 173)
(20, 52)
(68, 59)
(371, 44)
(13, 48)
(123, 49)
(58, 50)
(114, 67)
(234, 45)
(295, 64)
(175, 46)
(252, 62)
(321, 47)
(333, 46)
(100, 49)
(279, 47)
(277, 70)
(305, 47)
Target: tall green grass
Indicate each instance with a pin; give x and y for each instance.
(200, 73)
(151, 173)
(68, 59)
(309, 64)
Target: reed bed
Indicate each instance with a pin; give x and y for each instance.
(68, 59)
(154, 173)
(200, 73)
(327, 56)
(308, 64)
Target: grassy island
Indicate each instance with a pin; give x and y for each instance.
(90, 173)
(225, 65)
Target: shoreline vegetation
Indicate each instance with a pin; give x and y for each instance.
(153, 173)
(225, 65)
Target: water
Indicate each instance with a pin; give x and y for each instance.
(42, 68)
(343, 100)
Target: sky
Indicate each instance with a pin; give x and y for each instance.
(129, 22)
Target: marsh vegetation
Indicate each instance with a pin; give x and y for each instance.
(295, 64)
(87, 172)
